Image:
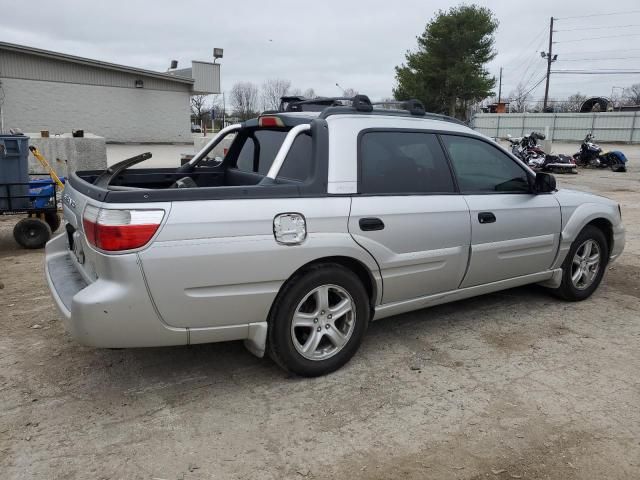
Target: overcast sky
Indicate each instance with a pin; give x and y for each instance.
(356, 43)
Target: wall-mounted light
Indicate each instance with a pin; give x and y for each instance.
(139, 84)
(217, 53)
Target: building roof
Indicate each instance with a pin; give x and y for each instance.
(93, 63)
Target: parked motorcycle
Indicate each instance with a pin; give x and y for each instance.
(527, 149)
(592, 156)
(557, 164)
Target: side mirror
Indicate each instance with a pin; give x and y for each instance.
(544, 183)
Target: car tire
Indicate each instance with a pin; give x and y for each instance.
(580, 275)
(31, 233)
(304, 336)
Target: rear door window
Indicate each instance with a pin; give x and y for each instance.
(397, 162)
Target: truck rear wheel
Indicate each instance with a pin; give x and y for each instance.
(32, 233)
(318, 320)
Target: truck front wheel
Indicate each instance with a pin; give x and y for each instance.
(584, 266)
(318, 320)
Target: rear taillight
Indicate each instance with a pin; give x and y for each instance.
(117, 230)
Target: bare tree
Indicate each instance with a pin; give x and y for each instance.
(519, 99)
(349, 92)
(631, 95)
(272, 90)
(218, 115)
(572, 104)
(309, 93)
(199, 105)
(391, 105)
(244, 100)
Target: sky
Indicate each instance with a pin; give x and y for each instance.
(355, 43)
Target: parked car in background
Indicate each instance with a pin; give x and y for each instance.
(195, 128)
(313, 225)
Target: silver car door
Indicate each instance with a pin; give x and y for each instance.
(408, 215)
(513, 232)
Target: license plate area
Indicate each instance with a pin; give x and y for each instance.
(75, 243)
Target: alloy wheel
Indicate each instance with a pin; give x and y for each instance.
(586, 264)
(323, 322)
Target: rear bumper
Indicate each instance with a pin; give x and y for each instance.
(114, 312)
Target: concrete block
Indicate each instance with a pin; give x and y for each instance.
(199, 142)
(67, 154)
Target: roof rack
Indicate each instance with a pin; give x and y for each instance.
(413, 106)
(361, 104)
(295, 104)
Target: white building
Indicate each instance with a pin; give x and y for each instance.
(44, 90)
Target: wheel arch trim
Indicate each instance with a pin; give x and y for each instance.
(586, 214)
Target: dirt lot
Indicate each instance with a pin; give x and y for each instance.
(511, 385)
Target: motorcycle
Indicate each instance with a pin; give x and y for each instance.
(558, 164)
(526, 149)
(592, 156)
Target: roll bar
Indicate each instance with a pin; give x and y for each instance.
(284, 149)
(213, 142)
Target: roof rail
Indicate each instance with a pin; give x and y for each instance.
(295, 104)
(362, 104)
(413, 106)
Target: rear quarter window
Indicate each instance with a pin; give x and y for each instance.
(262, 146)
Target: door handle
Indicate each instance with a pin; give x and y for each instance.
(371, 224)
(486, 217)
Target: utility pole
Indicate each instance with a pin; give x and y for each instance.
(500, 86)
(550, 59)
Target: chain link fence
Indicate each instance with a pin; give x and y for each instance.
(607, 127)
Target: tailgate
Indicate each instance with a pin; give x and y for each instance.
(93, 263)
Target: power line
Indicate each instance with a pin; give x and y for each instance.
(534, 59)
(533, 74)
(598, 38)
(596, 72)
(582, 29)
(538, 83)
(527, 48)
(616, 50)
(599, 15)
(596, 59)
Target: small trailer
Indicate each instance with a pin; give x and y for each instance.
(23, 194)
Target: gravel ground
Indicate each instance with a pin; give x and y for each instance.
(510, 385)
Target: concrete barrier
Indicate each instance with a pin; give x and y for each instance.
(218, 151)
(67, 154)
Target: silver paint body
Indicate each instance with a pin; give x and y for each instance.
(214, 269)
